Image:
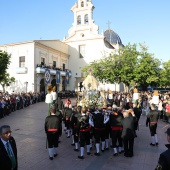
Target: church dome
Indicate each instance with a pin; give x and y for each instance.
(112, 37)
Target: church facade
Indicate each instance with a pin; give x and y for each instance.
(63, 60)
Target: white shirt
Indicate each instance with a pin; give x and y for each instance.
(54, 94)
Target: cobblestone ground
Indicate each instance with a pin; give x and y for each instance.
(28, 130)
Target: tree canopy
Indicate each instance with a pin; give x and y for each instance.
(4, 63)
(131, 65)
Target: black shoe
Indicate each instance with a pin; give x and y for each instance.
(126, 155)
(157, 144)
(106, 149)
(115, 154)
(51, 158)
(73, 144)
(76, 150)
(68, 136)
(152, 144)
(90, 148)
(121, 152)
(102, 150)
(97, 154)
(81, 157)
(59, 141)
(130, 155)
(88, 153)
(55, 155)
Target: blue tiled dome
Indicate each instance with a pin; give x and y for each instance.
(112, 37)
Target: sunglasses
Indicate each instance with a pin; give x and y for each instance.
(7, 132)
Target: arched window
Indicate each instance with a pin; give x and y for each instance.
(86, 19)
(79, 20)
(82, 4)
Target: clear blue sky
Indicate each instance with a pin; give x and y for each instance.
(135, 21)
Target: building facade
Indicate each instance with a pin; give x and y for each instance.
(30, 61)
(85, 44)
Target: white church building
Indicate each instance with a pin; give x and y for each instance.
(36, 63)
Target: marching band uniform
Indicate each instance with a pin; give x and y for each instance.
(52, 125)
(152, 120)
(73, 125)
(107, 127)
(116, 126)
(66, 117)
(99, 128)
(83, 128)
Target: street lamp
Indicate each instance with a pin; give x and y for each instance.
(26, 83)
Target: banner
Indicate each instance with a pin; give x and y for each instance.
(47, 76)
(67, 77)
(58, 77)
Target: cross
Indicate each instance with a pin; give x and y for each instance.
(108, 23)
(90, 70)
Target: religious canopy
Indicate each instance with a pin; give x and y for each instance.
(90, 83)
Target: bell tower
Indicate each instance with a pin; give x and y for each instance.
(83, 18)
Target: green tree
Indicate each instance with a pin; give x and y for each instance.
(165, 74)
(4, 63)
(129, 66)
(147, 71)
(117, 67)
(6, 81)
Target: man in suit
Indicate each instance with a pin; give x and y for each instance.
(128, 133)
(164, 159)
(8, 149)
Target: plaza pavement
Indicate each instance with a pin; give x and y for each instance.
(28, 130)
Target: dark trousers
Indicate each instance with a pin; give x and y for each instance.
(74, 133)
(67, 124)
(84, 138)
(116, 136)
(1, 113)
(99, 135)
(153, 128)
(128, 146)
(52, 138)
(107, 132)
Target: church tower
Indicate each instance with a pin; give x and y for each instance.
(85, 44)
(83, 18)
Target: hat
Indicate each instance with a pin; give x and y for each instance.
(168, 131)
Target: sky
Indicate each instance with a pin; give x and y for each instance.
(135, 21)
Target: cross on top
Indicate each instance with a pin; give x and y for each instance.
(90, 71)
(108, 23)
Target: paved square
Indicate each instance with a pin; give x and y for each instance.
(28, 130)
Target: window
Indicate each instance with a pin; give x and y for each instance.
(64, 67)
(22, 61)
(54, 63)
(82, 4)
(82, 51)
(86, 20)
(42, 61)
(79, 20)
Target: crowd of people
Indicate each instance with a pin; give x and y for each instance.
(113, 125)
(43, 65)
(15, 101)
(110, 126)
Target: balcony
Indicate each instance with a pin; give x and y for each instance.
(41, 70)
(21, 70)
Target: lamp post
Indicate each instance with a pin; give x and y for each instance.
(26, 83)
